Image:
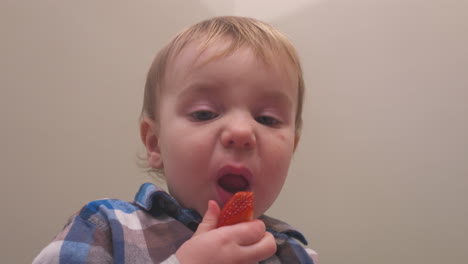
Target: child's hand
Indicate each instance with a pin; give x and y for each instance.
(240, 243)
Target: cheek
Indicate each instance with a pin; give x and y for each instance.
(185, 167)
(276, 160)
(283, 137)
(283, 148)
(178, 157)
(185, 155)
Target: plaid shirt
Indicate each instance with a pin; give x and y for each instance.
(150, 230)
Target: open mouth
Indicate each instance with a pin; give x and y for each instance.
(233, 183)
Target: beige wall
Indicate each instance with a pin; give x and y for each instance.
(381, 172)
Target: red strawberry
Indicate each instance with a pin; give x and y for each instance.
(238, 209)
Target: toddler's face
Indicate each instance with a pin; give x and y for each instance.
(225, 126)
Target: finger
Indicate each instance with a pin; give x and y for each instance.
(261, 250)
(247, 233)
(210, 219)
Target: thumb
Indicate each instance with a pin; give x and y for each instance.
(210, 220)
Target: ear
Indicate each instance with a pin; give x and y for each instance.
(150, 138)
(296, 140)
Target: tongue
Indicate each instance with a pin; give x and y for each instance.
(233, 183)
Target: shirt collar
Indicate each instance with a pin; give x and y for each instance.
(156, 201)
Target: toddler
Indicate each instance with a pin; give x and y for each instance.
(221, 114)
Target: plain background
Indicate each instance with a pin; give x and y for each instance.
(381, 173)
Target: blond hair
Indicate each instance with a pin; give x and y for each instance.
(267, 43)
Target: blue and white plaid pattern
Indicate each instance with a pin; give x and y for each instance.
(149, 230)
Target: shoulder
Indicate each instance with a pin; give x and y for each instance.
(100, 212)
(96, 230)
(106, 207)
(87, 233)
(111, 215)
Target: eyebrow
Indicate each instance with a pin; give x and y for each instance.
(278, 97)
(199, 88)
(214, 89)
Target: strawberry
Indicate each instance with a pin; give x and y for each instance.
(238, 209)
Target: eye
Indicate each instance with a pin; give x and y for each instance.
(203, 115)
(267, 120)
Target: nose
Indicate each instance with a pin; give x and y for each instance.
(239, 133)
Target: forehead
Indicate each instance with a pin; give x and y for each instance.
(211, 73)
(196, 56)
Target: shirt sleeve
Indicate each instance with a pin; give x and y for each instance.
(81, 241)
